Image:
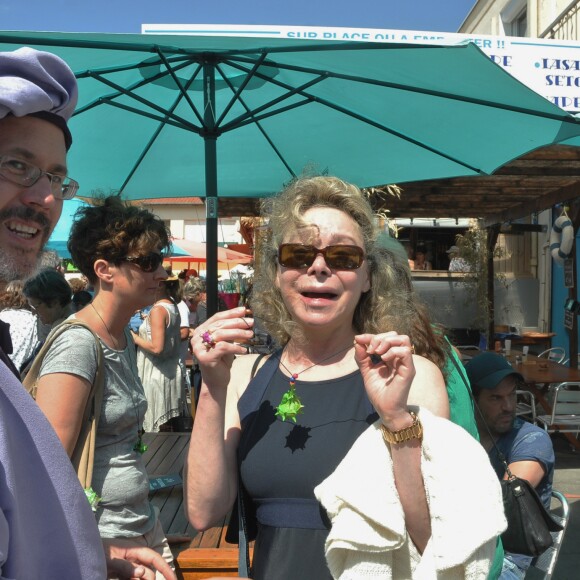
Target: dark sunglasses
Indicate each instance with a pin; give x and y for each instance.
(148, 263)
(336, 257)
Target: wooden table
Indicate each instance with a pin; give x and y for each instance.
(552, 373)
(540, 375)
(535, 338)
(197, 554)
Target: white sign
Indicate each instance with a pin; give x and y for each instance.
(549, 67)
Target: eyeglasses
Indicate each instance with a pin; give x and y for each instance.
(148, 263)
(336, 257)
(22, 173)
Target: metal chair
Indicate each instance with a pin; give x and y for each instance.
(543, 566)
(526, 405)
(556, 354)
(565, 414)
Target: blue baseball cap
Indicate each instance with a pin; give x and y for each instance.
(487, 370)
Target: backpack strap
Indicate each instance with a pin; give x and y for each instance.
(83, 454)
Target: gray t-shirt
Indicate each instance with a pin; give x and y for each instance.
(119, 475)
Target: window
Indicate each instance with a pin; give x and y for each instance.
(519, 26)
(514, 18)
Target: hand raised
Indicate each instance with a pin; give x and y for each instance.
(386, 364)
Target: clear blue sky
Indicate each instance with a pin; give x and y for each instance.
(128, 15)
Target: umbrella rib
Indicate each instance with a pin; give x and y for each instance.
(314, 99)
(180, 86)
(184, 60)
(143, 101)
(105, 98)
(154, 137)
(291, 92)
(261, 129)
(564, 117)
(190, 127)
(238, 92)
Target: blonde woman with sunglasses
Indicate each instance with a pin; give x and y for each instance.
(119, 248)
(330, 436)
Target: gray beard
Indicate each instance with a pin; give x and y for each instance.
(17, 265)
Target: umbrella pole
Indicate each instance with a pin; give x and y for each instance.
(211, 189)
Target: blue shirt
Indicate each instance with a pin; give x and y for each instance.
(526, 442)
(137, 318)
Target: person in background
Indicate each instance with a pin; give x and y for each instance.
(185, 333)
(420, 262)
(50, 296)
(15, 311)
(81, 299)
(77, 284)
(194, 294)
(456, 262)
(526, 447)
(50, 259)
(158, 348)
(48, 528)
(138, 317)
(194, 291)
(344, 386)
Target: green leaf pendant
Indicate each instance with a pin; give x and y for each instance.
(140, 447)
(92, 498)
(290, 405)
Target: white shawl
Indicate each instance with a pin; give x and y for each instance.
(368, 538)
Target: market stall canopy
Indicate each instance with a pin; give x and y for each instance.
(196, 252)
(168, 116)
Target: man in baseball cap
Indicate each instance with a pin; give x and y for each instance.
(47, 529)
(527, 448)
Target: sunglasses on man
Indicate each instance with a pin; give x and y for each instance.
(339, 257)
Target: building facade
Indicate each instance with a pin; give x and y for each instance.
(549, 19)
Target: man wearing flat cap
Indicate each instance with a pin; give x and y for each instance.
(47, 529)
(527, 448)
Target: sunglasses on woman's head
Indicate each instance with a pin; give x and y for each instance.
(341, 257)
(148, 263)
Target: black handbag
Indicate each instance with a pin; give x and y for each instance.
(529, 523)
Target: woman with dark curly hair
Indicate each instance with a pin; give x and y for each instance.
(340, 437)
(119, 248)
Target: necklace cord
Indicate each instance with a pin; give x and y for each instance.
(295, 375)
(115, 343)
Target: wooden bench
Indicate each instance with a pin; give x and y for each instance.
(197, 554)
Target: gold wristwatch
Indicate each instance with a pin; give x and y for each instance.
(415, 431)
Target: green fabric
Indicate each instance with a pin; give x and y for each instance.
(497, 563)
(461, 410)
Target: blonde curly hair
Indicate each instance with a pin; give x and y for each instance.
(384, 307)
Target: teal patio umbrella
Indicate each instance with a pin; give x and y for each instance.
(168, 116)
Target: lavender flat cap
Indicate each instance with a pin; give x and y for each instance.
(39, 84)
